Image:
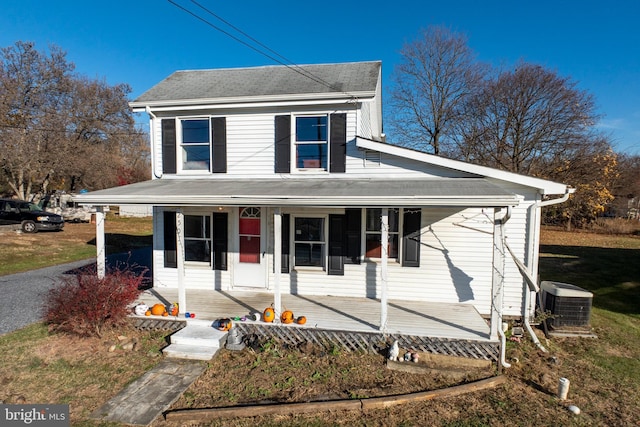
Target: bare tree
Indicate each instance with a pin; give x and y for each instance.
(437, 74)
(525, 118)
(59, 130)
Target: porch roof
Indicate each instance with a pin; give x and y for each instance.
(326, 192)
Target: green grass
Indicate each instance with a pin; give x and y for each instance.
(612, 274)
(24, 252)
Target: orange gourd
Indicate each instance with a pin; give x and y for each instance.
(147, 313)
(269, 315)
(158, 309)
(287, 316)
(301, 320)
(224, 324)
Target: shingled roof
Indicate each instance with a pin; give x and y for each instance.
(343, 79)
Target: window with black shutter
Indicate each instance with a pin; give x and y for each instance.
(168, 146)
(338, 143)
(219, 144)
(411, 238)
(220, 240)
(286, 227)
(170, 253)
(283, 144)
(336, 244)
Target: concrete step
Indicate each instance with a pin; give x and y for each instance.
(186, 351)
(199, 341)
(199, 335)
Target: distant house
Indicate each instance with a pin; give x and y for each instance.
(278, 179)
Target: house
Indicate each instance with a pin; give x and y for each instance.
(278, 179)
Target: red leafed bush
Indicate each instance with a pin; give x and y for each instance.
(86, 305)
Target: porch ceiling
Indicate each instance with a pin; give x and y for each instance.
(325, 192)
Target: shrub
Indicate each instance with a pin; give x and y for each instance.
(86, 305)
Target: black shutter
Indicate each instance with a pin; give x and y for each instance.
(168, 146)
(283, 144)
(286, 227)
(170, 253)
(353, 229)
(219, 144)
(220, 239)
(411, 238)
(338, 137)
(336, 245)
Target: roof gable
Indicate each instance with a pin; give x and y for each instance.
(344, 80)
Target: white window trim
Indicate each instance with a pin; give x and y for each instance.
(198, 264)
(179, 147)
(325, 242)
(363, 237)
(295, 143)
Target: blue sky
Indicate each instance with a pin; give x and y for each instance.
(140, 42)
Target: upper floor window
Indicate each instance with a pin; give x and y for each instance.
(311, 143)
(196, 148)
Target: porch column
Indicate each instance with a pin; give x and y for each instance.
(101, 254)
(384, 243)
(182, 294)
(497, 279)
(277, 258)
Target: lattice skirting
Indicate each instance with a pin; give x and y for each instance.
(369, 341)
(158, 324)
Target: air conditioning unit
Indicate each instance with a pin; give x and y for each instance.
(568, 304)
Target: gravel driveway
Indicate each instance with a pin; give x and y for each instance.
(23, 294)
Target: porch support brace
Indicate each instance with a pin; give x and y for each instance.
(101, 251)
(182, 293)
(277, 259)
(384, 243)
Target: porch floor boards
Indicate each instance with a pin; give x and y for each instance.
(414, 318)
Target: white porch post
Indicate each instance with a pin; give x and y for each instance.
(101, 254)
(182, 294)
(497, 280)
(277, 259)
(384, 242)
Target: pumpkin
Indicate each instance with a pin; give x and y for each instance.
(158, 309)
(269, 314)
(147, 313)
(301, 320)
(224, 324)
(165, 314)
(287, 316)
(174, 309)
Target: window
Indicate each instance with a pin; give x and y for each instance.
(373, 233)
(196, 144)
(311, 142)
(309, 241)
(197, 238)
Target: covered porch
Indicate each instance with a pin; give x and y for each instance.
(414, 318)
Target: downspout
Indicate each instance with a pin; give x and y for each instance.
(152, 121)
(533, 286)
(503, 338)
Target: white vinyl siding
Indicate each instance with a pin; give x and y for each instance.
(250, 149)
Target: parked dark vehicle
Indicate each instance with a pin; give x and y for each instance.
(29, 215)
